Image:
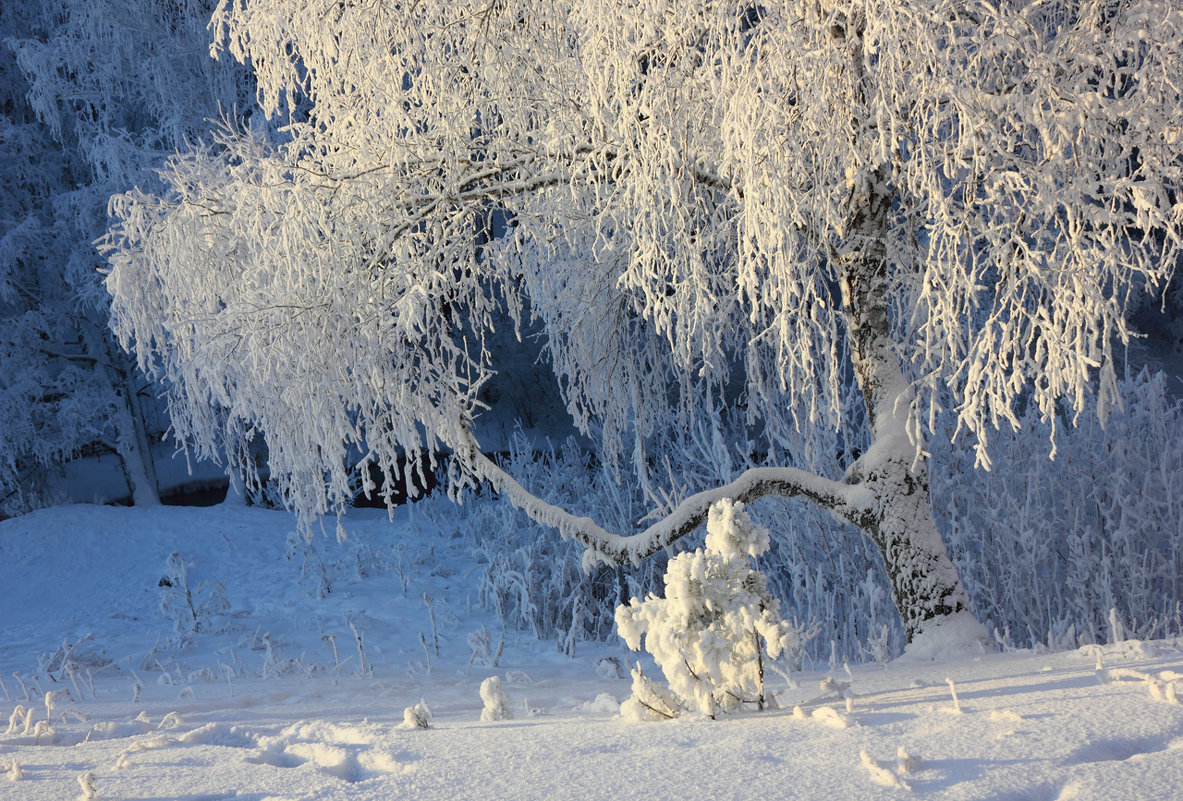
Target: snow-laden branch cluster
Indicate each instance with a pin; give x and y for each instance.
(672, 188)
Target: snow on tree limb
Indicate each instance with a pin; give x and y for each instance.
(605, 546)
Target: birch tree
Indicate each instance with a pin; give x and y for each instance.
(949, 202)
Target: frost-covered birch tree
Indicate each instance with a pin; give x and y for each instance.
(949, 202)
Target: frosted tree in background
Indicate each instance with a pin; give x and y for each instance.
(97, 94)
(707, 205)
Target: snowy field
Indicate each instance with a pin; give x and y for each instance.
(271, 698)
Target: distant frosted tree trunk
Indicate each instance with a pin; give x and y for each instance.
(131, 439)
(135, 448)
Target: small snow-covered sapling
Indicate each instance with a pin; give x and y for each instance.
(495, 700)
(953, 691)
(24, 688)
(331, 640)
(480, 642)
(435, 637)
(361, 648)
(16, 719)
(710, 633)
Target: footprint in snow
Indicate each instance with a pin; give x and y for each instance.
(348, 752)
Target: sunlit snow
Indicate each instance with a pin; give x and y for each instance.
(269, 700)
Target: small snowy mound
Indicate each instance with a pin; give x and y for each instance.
(948, 638)
(496, 701)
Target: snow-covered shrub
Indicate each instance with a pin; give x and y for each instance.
(416, 716)
(711, 630)
(481, 643)
(203, 609)
(72, 657)
(495, 700)
(302, 554)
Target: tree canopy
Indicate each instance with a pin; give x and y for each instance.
(707, 205)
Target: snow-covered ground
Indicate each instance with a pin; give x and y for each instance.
(270, 699)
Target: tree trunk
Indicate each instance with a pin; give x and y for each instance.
(132, 443)
(898, 513)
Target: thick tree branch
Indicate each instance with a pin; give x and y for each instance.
(844, 500)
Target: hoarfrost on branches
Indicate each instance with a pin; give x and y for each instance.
(707, 207)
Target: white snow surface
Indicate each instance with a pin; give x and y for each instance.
(293, 722)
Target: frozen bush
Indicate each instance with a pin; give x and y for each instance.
(417, 716)
(710, 632)
(495, 700)
(1048, 548)
(203, 609)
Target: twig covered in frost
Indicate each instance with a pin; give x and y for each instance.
(16, 719)
(86, 782)
(331, 639)
(426, 651)
(361, 650)
(73, 715)
(435, 639)
(228, 672)
(72, 672)
(24, 689)
(953, 691)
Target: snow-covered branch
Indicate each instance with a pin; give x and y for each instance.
(787, 482)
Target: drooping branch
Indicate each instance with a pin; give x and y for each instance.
(847, 501)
